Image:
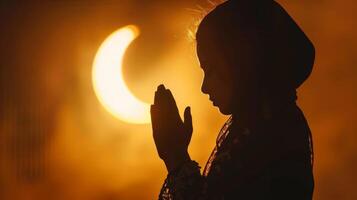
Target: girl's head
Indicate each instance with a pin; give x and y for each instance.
(251, 50)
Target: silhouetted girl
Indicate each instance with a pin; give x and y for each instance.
(254, 57)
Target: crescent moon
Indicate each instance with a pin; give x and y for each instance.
(108, 82)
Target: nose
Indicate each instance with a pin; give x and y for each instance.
(204, 88)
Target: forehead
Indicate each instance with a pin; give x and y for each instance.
(208, 54)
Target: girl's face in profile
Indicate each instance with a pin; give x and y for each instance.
(218, 78)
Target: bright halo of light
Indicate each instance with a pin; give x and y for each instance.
(108, 82)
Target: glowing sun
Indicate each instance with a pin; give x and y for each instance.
(108, 82)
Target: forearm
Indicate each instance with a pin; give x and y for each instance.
(183, 183)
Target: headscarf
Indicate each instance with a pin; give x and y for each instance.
(282, 54)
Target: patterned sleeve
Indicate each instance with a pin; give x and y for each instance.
(186, 183)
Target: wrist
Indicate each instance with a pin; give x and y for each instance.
(173, 163)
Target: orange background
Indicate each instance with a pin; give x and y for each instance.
(58, 142)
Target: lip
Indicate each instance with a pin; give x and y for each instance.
(214, 103)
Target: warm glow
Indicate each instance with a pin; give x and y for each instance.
(108, 81)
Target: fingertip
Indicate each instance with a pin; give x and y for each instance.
(161, 87)
(187, 111)
(169, 93)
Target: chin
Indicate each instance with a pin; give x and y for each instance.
(225, 111)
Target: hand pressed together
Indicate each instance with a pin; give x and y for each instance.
(171, 135)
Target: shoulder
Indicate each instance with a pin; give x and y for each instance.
(271, 140)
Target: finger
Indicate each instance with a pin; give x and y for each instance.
(154, 116)
(188, 119)
(160, 96)
(158, 91)
(170, 98)
(155, 98)
(161, 87)
(155, 128)
(172, 106)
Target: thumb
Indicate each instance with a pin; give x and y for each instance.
(188, 119)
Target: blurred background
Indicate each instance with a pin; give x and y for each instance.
(58, 142)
